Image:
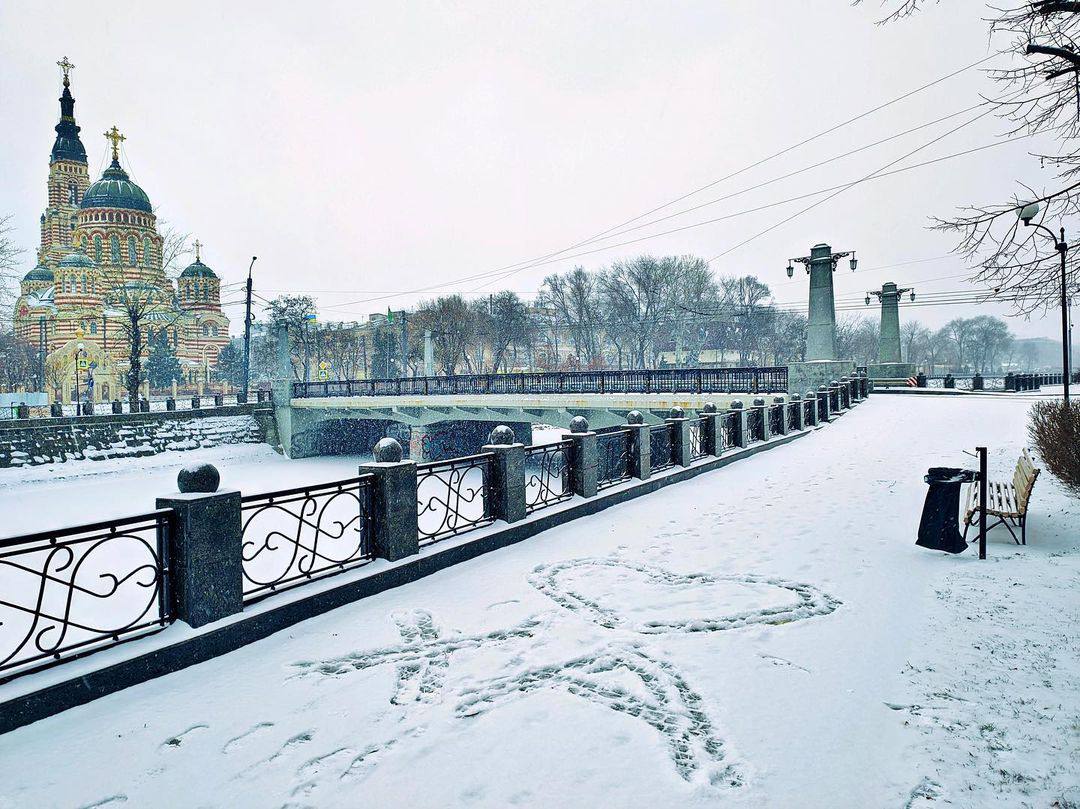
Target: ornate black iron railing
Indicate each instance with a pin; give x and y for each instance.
(697, 438)
(296, 535)
(667, 380)
(613, 458)
(547, 474)
(452, 496)
(794, 410)
(661, 447)
(755, 424)
(729, 430)
(776, 419)
(74, 591)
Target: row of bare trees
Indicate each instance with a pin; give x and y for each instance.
(644, 312)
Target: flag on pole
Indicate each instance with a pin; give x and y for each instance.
(389, 315)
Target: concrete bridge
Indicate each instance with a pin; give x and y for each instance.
(444, 417)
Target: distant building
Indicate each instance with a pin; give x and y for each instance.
(100, 256)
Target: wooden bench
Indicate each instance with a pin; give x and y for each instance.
(1006, 501)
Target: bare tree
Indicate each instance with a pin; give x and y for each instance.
(451, 324)
(297, 314)
(1041, 96)
(10, 255)
(141, 306)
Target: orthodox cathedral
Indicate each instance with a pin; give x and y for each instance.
(100, 278)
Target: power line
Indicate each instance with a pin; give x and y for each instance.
(876, 176)
(544, 258)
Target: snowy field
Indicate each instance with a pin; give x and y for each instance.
(764, 635)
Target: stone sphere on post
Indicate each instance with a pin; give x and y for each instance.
(675, 413)
(635, 417)
(579, 424)
(759, 402)
(388, 450)
(202, 478)
(736, 405)
(709, 408)
(810, 395)
(794, 397)
(778, 399)
(501, 435)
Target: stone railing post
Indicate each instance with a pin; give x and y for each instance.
(205, 562)
(742, 436)
(761, 408)
(680, 436)
(507, 475)
(639, 462)
(195, 402)
(585, 460)
(782, 402)
(170, 403)
(393, 521)
(711, 430)
(845, 393)
(824, 413)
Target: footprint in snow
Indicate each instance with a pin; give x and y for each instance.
(181, 738)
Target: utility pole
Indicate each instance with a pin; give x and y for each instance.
(247, 331)
(404, 341)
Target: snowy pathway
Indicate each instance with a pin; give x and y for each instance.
(764, 635)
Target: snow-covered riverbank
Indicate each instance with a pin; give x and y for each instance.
(764, 635)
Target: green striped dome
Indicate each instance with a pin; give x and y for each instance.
(115, 190)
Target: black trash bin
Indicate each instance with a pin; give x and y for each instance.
(939, 528)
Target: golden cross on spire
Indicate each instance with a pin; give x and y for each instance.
(116, 138)
(65, 66)
(198, 246)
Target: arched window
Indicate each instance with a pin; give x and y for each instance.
(84, 284)
(206, 290)
(97, 248)
(205, 331)
(74, 222)
(133, 253)
(146, 251)
(93, 327)
(213, 331)
(73, 194)
(114, 249)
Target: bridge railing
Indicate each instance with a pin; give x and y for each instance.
(664, 380)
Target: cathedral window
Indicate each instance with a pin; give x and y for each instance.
(74, 222)
(93, 327)
(213, 331)
(114, 249)
(97, 249)
(84, 285)
(73, 194)
(133, 254)
(205, 331)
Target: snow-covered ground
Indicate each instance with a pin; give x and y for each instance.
(764, 635)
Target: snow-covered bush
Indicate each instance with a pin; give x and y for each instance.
(1055, 431)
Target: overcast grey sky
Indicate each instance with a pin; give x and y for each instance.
(363, 149)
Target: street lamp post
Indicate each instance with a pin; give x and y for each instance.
(78, 398)
(1027, 213)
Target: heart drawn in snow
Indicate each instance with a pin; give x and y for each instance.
(647, 599)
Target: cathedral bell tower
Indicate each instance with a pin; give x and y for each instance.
(68, 178)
